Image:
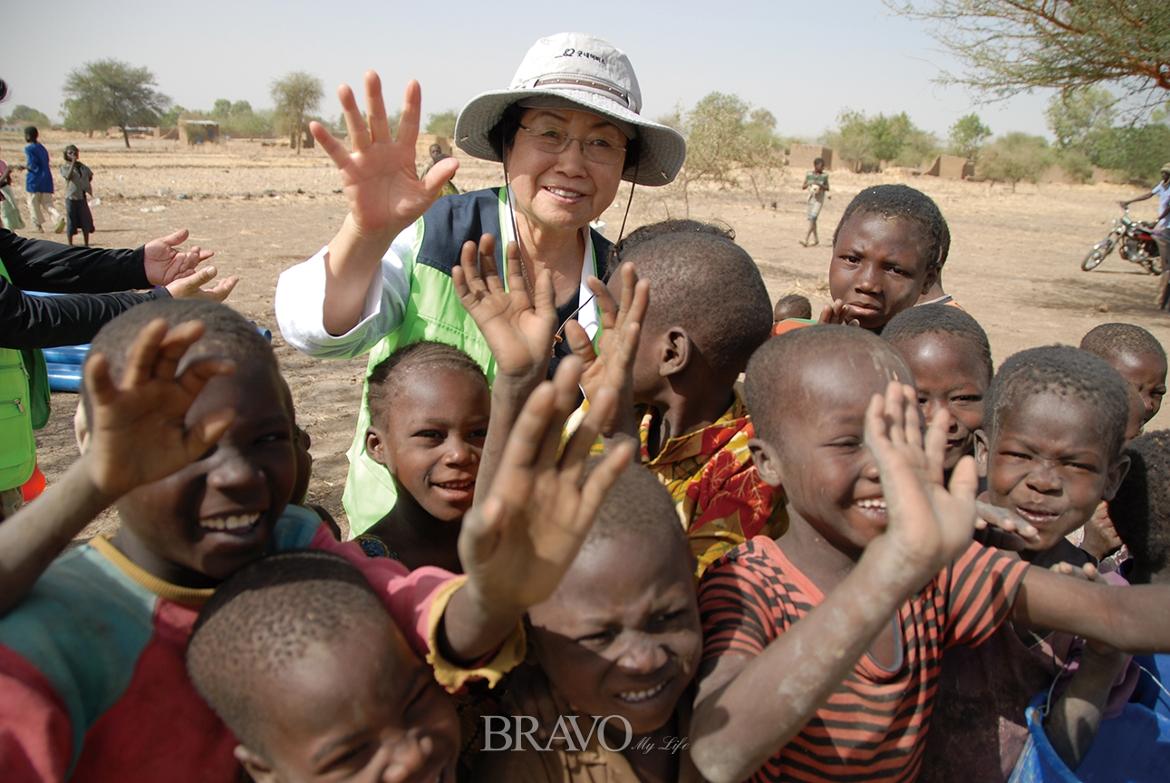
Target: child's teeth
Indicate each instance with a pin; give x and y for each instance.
(235, 522)
(642, 695)
(876, 503)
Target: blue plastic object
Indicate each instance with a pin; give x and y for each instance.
(64, 377)
(1134, 747)
(67, 354)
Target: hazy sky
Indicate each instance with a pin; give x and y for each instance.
(803, 61)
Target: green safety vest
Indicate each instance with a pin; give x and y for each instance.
(24, 406)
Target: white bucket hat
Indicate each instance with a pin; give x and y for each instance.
(588, 73)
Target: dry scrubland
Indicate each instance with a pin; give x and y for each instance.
(1014, 264)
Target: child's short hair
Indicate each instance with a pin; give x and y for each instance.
(226, 333)
(386, 375)
(70, 148)
(263, 618)
(703, 281)
(1141, 508)
(772, 368)
(902, 201)
(1068, 372)
(1108, 340)
(818, 160)
(940, 319)
(639, 503)
(31, 133)
(792, 306)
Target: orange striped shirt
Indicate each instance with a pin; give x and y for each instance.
(873, 727)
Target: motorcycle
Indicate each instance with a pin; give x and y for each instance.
(1137, 245)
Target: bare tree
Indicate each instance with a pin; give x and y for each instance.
(1012, 46)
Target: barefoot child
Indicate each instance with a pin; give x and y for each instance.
(949, 356)
(695, 431)
(78, 187)
(826, 670)
(888, 249)
(816, 182)
(91, 660)
(305, 628)
(429, 408)
(620, 637)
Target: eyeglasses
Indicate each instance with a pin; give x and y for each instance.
(554, 141)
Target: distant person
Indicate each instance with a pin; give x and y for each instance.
(1161, 231)
(816, 182)
(437, 154)
(39, 182)
(9, 211)
(78, 187)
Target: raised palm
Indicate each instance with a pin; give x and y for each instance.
(929, 523)
(518, 327)
(378, 176)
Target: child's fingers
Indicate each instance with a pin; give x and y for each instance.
(936, 445)
(480, 531)
(207, 431)
(579, 342)
(601, 410)
(487, 264)
(355, 125)
(376, 108)
(911, 416)
(895, 414)
(143, 353)
(196, 375)
(515, 267)
(98, 383)
(639, 302)
(565, 393)
(605, 302)
(629, 280)
(171, 348)
(545, 297)
(875, 424)
(527, 435)
(599, 481)
(964, 480)
(465, 276)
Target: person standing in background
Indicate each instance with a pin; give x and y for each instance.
(39, 182)
(816, 182)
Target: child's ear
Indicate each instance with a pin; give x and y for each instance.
(1115, 476)
(255, 765)
(767, 461)
(375, 447)
(930, 279)
(982, 452)
(675, 352)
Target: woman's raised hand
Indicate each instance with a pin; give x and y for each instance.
(378, 173)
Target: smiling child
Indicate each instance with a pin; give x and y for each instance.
(949, 356)
(429, 410)
(822, 648)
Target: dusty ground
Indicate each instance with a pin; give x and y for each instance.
(1014, 264)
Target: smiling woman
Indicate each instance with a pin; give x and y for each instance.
(568, 131)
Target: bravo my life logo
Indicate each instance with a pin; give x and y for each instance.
(574, 733)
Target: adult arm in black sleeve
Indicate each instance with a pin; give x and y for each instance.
(40, 265)
(49, 321)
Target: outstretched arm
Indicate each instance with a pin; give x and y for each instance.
(137, 434)
(520, 541)
(747, 709)
(384, 193)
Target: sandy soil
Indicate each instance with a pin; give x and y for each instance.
(1014, 263)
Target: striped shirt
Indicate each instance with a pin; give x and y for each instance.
(873, 727)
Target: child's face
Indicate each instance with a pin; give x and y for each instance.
(1146, 372)
(301, 445)
(828, 474)
(432, 438)
(950, 374)
(374, 706)
(1049, 462)
(616, 639)
(199, 525)
(879, 268)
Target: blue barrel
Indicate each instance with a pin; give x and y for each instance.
(66, 354)
(64, 377)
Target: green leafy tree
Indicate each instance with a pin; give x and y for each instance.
(874, 140)
(1082, 119)
(1015, 157)
(1012, 46)
(108, 93)
(297, 95)
(170, 118)
(27, 115)
(967, 136)
(442, 123)
(1137, 151)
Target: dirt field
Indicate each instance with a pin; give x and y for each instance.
(1014, 263)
